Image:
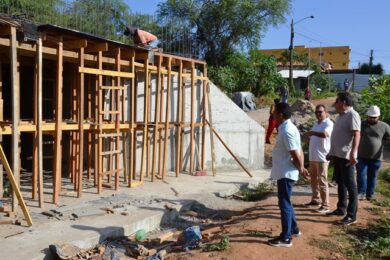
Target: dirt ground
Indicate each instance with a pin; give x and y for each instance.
(250, 231)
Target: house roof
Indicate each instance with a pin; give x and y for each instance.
(296, 73)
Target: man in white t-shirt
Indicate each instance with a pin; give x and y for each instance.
(318, 149)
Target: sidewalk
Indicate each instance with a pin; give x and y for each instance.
(86, 222)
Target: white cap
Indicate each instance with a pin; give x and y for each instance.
(373, 111)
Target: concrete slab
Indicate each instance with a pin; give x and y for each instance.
(145, 205)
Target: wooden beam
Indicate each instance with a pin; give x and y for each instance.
(81, 124)
(210, 123)
(204, 90)
(132, 135)
(1, 119)
(167, 118)
(5, 30)
(97, 47)
(117, 117)
(100, 121)
(192, 132)
(178, 119)
(15, 87)
(39, 134)
(75, 44)
(58, 120)
(156, 119)
(106, 72)
(145, 118)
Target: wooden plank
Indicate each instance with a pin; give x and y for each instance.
(1, 136)
(167, 118)
(204, 89)
(15, 187)
(211, 126)
(145, 119)
(39, 134)
(99, 121)
(183, 116)
(132, 135)
(192, 131)
(35, 133)
(97, 47)
(15, 87)
(58, 120)
(156, 119)
(75, 44)
(228, 149)
(89, 135)
(178, 119)
(106, 72)
(81, 124)
(117, 118)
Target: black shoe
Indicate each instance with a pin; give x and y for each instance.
(278, 242)
(346, 221)
(336, 212)
(296, 233)
(312, 203)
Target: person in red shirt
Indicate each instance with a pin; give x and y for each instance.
(271, 122)
(308, 93)
(139, 36)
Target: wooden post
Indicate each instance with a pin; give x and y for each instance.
(89, 141)
(178, 119)
(146, 113)
(167, 117)
(156, 118)
(15, 113)
(117, 118)
(210, 122)
(160, 142)
(183, 117)
(100, 121)
(132, 146)
(58, 120)
(204, 117)
(1, 136)
(39, 138)
(81, 124)
(192, 133)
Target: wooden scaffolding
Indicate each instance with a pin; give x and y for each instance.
(97, 111)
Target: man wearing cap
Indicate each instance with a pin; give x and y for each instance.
(344, 143)
(370, 153)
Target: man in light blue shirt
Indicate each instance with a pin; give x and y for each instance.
(287, 164)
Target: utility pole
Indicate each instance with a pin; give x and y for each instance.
(291, 48)
(370, 62)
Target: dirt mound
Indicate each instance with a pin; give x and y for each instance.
(302, 107)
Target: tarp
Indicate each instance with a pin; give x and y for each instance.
(296, 73)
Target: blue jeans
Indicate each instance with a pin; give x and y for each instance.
(367, 172)
(346, 187)
(289, 222)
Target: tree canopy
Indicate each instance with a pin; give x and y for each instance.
(220, 27)
(365, 68)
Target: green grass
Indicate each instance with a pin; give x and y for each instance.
(383, 188)
(260, 192)
(222, 245)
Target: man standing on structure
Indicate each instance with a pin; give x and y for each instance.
(345, 140)
(287, 164)
(319, 147)
(370, 152)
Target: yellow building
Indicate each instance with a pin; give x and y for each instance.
(336, 56)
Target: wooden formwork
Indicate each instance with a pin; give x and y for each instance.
(92, 119)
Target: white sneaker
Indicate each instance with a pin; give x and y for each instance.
(322, 210)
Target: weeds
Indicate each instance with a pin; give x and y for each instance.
(222, 245)
(254, 233)
(261, 191)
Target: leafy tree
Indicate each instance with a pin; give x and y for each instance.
(255, 72)
(221, 27)
(378, 93)
(375, 69)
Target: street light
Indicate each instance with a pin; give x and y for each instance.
(292, 47)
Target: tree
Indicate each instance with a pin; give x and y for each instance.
(375, 69)
(220, 27)
(255, 72)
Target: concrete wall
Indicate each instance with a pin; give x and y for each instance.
(244, 136)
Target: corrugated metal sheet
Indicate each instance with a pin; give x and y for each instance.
(360, 81)
(296, 73)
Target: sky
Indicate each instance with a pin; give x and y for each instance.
(361, 24)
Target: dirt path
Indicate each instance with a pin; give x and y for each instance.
(249, 232)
